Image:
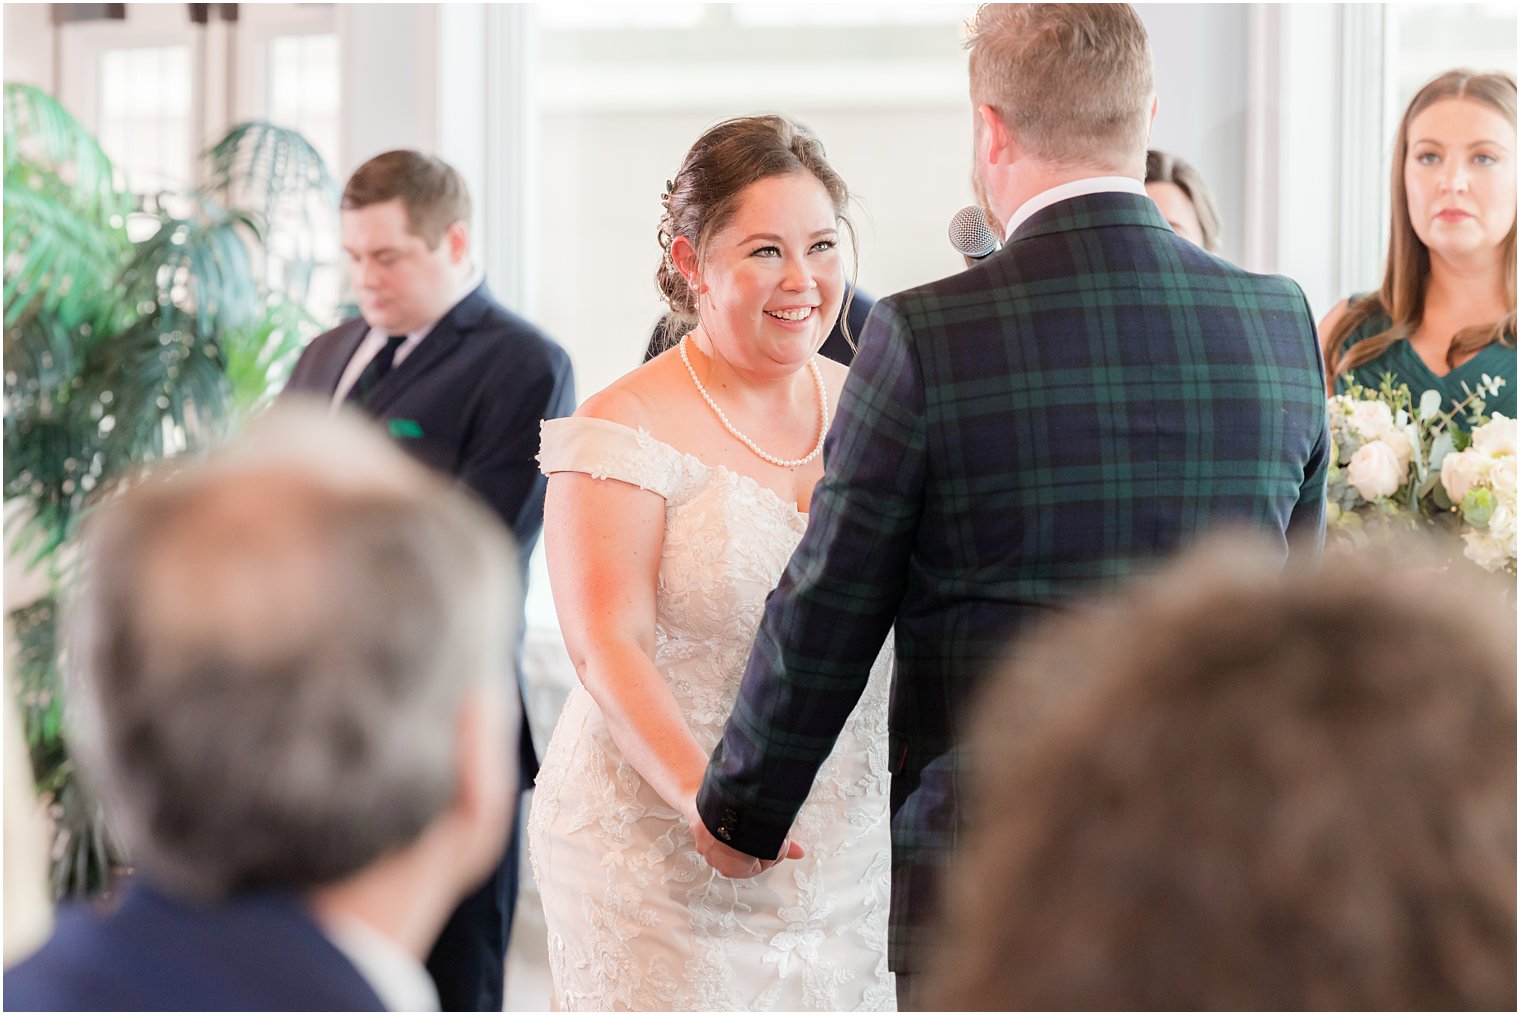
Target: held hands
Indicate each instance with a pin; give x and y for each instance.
(731, 862)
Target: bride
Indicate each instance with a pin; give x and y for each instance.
(675, 498)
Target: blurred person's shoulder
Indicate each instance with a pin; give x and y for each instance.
(153, 952)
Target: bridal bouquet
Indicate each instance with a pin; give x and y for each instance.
(1480, 483)
(1398, 463)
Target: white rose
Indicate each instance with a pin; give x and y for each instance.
(1501, 525)
(1461, 472)
(1495, 438)
(1403, 449)
(1374, 471)
(1501, 479)
(1370, 420)
(1487, 552)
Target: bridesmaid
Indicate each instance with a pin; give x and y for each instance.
(1445, 314)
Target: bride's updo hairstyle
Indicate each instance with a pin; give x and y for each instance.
(704, 194)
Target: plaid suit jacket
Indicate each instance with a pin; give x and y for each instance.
(1010, 439)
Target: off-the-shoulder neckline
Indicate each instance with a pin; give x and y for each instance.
(722, 470)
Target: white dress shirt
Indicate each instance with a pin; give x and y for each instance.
(374, 341)
(393, 973)
(1069, 189)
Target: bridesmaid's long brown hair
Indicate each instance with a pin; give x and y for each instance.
(1402, 296)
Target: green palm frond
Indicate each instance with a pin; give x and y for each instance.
(121, 354)
(40, 131)
(262, 166)
(260, 356)
(281, 181)
(201, 264)
(165, 383)
(64, 258)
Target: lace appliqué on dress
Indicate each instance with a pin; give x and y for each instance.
(637, 920)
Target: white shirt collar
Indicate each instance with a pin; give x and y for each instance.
(1069, 189)
(476, 276)
(393, 973)
(374, 341)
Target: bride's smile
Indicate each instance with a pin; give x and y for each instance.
(771, 282)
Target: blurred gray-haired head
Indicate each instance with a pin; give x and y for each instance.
(272, 648)
(1238, 787)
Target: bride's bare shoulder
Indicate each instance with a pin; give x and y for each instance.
(640, 398)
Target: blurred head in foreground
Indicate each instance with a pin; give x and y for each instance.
(1238, 788)
(292, 667)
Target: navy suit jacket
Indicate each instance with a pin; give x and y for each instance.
(256, 952)
(467, 401)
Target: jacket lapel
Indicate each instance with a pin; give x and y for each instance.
(345, 345)
(439, 344)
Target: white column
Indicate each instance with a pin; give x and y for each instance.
(511, 163)
(30, 41)
(1316, 178)
(449, 80)
(389, 79)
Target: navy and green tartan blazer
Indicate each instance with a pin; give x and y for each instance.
(1010, 439)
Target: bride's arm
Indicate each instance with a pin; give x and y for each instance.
(603, 539)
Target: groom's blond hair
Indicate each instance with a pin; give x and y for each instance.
(1073, 82)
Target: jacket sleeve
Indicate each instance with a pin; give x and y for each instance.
(1306, 523)
(825, 622)
(499, 459)
(303, 378)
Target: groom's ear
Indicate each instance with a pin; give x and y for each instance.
(995, 143)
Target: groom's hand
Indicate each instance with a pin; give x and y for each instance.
(731, 862)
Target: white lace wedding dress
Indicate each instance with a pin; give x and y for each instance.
(637, 920)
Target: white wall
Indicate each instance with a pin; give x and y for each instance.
(1202, 88)
(611, 136)
(29, 45)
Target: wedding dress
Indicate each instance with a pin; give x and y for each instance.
(637, 920)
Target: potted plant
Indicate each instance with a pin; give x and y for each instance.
(137, 327)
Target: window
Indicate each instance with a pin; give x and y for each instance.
(304, 92)
(1426, 39)
(145, 114)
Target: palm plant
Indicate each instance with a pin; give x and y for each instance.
(120, 352)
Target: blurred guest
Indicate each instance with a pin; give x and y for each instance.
(839, 346)
(290, 696)
(1184, 199)
(462, 383)
(1237, 789)
(1445, 314)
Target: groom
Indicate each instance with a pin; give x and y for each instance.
(1014, 439)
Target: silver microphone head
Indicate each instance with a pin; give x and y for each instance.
(970, 234)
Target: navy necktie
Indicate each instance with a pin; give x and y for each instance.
(376, 369)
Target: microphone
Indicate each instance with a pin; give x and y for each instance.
(971, 236)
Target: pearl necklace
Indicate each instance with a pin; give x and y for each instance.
(785, 463)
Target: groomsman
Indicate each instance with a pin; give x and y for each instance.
(1015, 438)
(461, 383)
